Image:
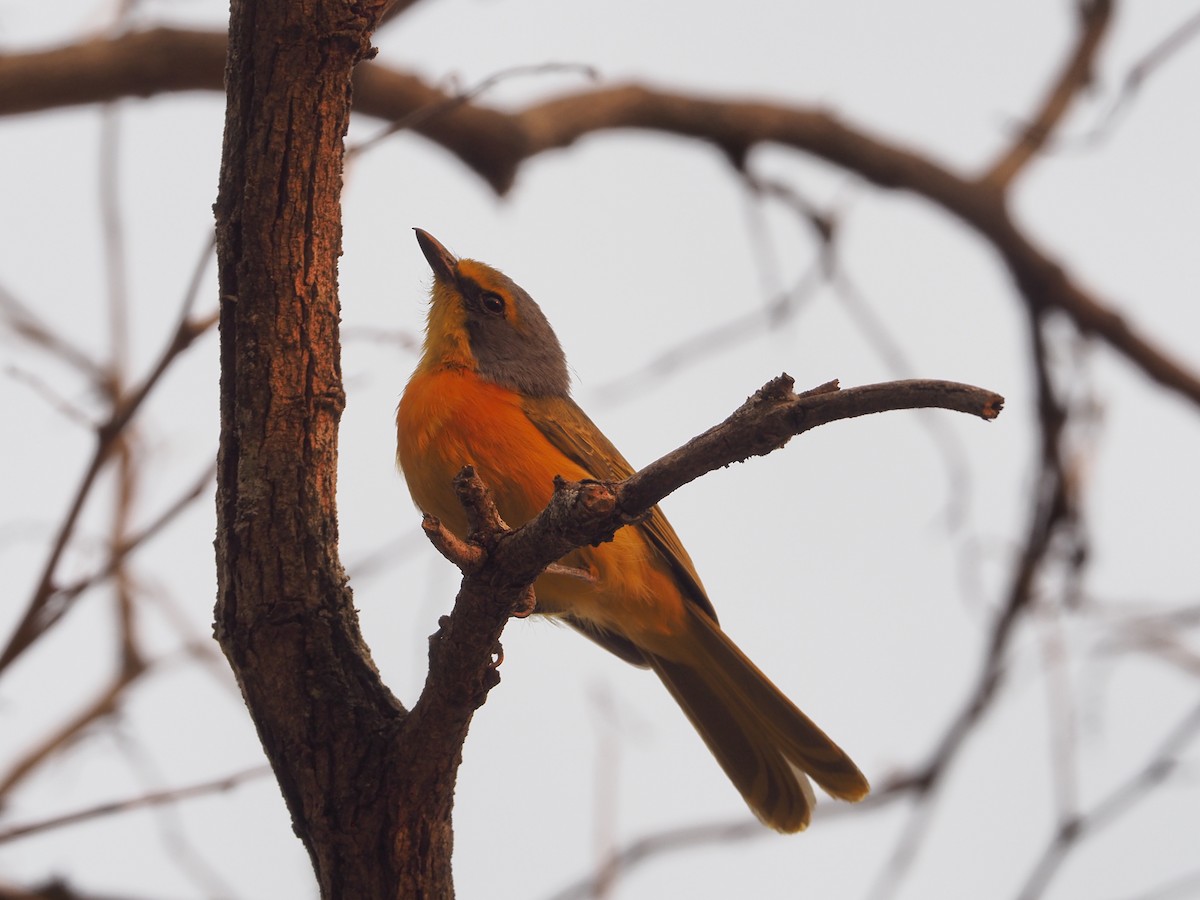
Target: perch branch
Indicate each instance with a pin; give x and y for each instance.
(462, 668)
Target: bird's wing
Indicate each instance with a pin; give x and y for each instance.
(570, 430)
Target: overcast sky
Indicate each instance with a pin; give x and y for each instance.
(859, 567)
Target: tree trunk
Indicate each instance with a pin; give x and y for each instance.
(373, 824)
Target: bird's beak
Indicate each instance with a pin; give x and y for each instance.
(441, 260)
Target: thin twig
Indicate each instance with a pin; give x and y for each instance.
(41, 613)
(103, 705)
(635, 854)
(1076, 74)
(1160, 766)
(154, 798)
(461, 98)
(26, 324)
(130, 543)
(1046, 514)
(703, 345)
(1137, 76)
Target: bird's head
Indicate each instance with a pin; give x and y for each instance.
(481, 319)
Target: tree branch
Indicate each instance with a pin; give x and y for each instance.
(1160, 766)
(495, 144)
(133, 64)
(463, 653)
(155, 798)
(1095, 16)
(48, 604)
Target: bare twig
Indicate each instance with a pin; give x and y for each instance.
(120, 551)
(461, 98)
(1076, 75)
(28, 325)
(1160, 766)
(42, 610)
(467, 558)
(654, 846)
(67, 409)
(1063, 716)
(781, 306)
(635, 854)
(774, 414)
(207, 877)
(1137, 76)
(154, 798)
(495, 144)
(1047, 513)
(724, 336)
(889, 350)
(101, 707)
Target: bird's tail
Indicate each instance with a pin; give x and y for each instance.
(766, 746)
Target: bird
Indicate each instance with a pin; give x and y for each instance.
(491, 390)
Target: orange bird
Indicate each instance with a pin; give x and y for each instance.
(492, 391)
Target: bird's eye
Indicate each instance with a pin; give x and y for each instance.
(492, 303)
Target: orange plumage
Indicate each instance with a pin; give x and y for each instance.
(491, 390)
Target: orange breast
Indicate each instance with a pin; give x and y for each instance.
(450, 418)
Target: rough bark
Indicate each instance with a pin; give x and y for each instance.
(284, 615)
